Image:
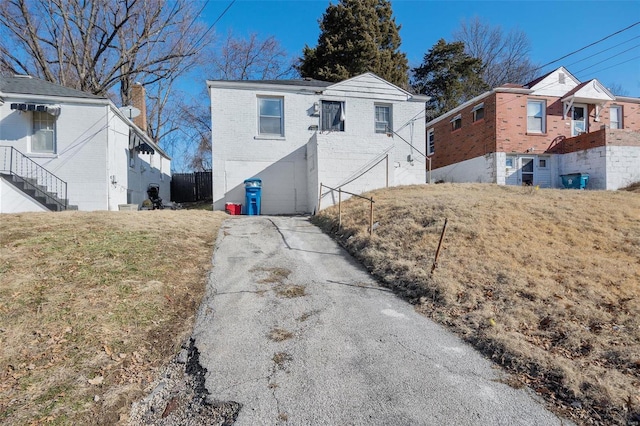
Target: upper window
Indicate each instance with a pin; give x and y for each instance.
(332, 116)
(456, 122)
(44, 135)
(383, 119)
(615, 117)
(431, 142)
(536, 116)
(478, 112)
(271, 117)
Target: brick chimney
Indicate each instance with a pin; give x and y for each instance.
(138, 100)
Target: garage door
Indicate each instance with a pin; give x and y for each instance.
(283, 190)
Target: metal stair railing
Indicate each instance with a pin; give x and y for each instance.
(34, 177)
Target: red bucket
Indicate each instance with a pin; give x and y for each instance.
(233, 209)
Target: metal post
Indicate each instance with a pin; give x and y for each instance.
(435, 261)
(371, 217)
(387, 169)
(339, 208)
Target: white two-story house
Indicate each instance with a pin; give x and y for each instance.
(357, 135)
(62, 149)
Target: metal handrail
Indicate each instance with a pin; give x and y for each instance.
(34, 176)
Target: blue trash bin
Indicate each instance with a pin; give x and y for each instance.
(575, 180)
(253, 195)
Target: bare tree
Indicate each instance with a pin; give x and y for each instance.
(252, 59)
(505, 57)
(618, 89)
(233, 58)
(102, 46)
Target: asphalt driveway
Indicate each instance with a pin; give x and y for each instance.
(298, 333)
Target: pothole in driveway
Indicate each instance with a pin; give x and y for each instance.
(281, 359)
(290, 291)
(280, 334)
(307, 315)
(274, 275)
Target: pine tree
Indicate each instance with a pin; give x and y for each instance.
(449, 76)
(356, 36)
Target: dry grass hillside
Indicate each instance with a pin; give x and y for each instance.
(544, 282)
(92, 305)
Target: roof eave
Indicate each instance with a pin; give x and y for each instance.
(56, 99)
(249, 85)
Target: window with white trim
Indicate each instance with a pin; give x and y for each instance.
(270, 116)
(536, 113)
(478, 112)
(383, 119)
(43, 139)
(615, 117)
(332, 116)
(431, 142)
(456, 122)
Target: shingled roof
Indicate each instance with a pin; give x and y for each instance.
(27, 85)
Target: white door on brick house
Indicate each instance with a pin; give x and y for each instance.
(578, 119)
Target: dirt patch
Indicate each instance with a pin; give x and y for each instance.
(274, 275)
(280, 359)
(280, 335)
(544, 282)
(290, 291)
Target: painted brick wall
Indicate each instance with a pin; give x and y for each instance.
(591, 161)
(623, 166)
(240, 153)
(481, 169)
(285, 163)
(80, 158)
(91, 147)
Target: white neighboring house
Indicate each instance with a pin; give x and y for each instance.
(360, 134)
(61, 149)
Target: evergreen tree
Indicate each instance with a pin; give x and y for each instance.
(356, 36)
(449, 76)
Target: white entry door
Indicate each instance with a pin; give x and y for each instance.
(578, 120)
(526, 171)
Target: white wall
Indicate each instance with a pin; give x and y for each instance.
(240, 153)
(12, 200)
(623, 166)
(480, 169)
(131, 183)
(80, 157)
(91, 154)
(293, 166)
(592, 161)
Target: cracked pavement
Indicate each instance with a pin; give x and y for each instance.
(294, 330)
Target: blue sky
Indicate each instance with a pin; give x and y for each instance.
(554, 28)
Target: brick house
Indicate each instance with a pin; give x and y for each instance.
(534, 134)
(360, 134)
(64, 149)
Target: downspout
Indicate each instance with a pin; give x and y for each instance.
(413, 122)
(108, 158)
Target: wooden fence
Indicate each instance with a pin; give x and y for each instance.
(190, 187)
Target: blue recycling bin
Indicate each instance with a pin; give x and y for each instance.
(575, 180)
(253, 194)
